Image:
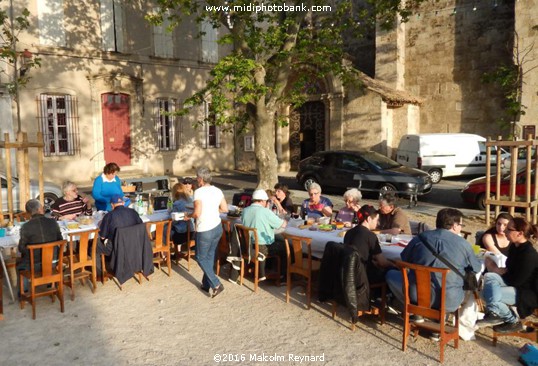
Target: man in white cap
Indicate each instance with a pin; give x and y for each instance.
(258, 216)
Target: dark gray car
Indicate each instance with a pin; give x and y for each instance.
(367, 170)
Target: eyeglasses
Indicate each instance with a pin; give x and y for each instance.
(510, 229)
(313, 193)
(461, 224)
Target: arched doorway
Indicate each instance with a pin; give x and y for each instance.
(307, 132)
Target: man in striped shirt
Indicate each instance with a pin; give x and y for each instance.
(71, 204)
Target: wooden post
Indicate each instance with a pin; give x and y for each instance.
(9, 178)
(40, 167)
(21, 172)
(528, 179)
(488, 180)
(26, 170)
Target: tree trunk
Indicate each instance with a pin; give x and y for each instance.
(264, 147)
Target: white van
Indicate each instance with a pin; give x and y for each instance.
(444, 154)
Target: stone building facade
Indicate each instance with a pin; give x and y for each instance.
(106, 78)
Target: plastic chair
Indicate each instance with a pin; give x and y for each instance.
(78, 262)
(423, 276)
(300, 266)
(250, 254)
(160, 242)
(50, 273)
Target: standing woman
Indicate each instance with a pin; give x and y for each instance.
(209, 202)
(105, 186)
(514, 285)
(495, 239)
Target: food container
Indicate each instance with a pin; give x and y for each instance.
(176, 216)
(324, 220)
(128, 189)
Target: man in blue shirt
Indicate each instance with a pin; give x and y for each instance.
(447, 242)
(258, 216)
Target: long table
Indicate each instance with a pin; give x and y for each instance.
(12, 241)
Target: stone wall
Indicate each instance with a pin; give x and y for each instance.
(449, 45)
(527, 31)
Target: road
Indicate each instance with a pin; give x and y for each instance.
(444, 194)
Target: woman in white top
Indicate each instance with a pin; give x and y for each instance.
(209, 202)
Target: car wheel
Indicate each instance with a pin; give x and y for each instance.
(308, 181)
(481, 201)
(387, 187)
(49, 199)
(435, 175)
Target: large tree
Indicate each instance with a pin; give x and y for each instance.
(271, 42)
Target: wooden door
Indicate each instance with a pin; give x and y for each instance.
(307, 131)
(116, 128)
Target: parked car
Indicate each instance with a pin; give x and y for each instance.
(445, 154)
(367, 170)
(51, 192)
(521, 159)
(475, 190)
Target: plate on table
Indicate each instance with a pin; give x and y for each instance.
(325, 227)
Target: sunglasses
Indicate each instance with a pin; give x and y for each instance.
(510, 229)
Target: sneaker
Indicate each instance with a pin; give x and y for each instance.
(489, 320)
(434, 336)
(262, 279)
(218, 290)
(508, 327)
(416, 319)
(234, 282)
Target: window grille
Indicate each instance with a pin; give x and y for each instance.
(166, 124)
(58, 118)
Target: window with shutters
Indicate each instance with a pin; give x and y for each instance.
(112, 25)
(58, 118)
(166, 124)
(210, 47)
(50, 20)
(163, 39)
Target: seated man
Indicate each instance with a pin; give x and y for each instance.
(392, 219)
(445, 240)
(38, 230)
(258, 216)
(71, 204)
(120, 216)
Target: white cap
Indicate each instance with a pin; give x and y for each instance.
(260, 195)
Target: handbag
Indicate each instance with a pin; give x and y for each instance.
(470, 283)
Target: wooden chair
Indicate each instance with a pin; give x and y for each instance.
(79, 262)
(21, 216)
(300, 266)
(423, 276)
(530, 332)
(50, 273)
(160, 242)
(250, 252)
(190, 252)
(224, 244)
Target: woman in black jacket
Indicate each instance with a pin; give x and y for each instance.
(515, 284)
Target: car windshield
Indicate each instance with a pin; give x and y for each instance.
(380, 161)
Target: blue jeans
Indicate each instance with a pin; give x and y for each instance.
(206, 249)
(394, 278)
(499, 296)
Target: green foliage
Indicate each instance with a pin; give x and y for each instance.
(9, 31)
(508, 77)
(277, 55)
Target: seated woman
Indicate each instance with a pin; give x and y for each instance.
(366, 243)
(352, 198)
(494, 239)
(71, 204)
(317, 205)
(281, 199)
(514, 285)
(182, 199)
